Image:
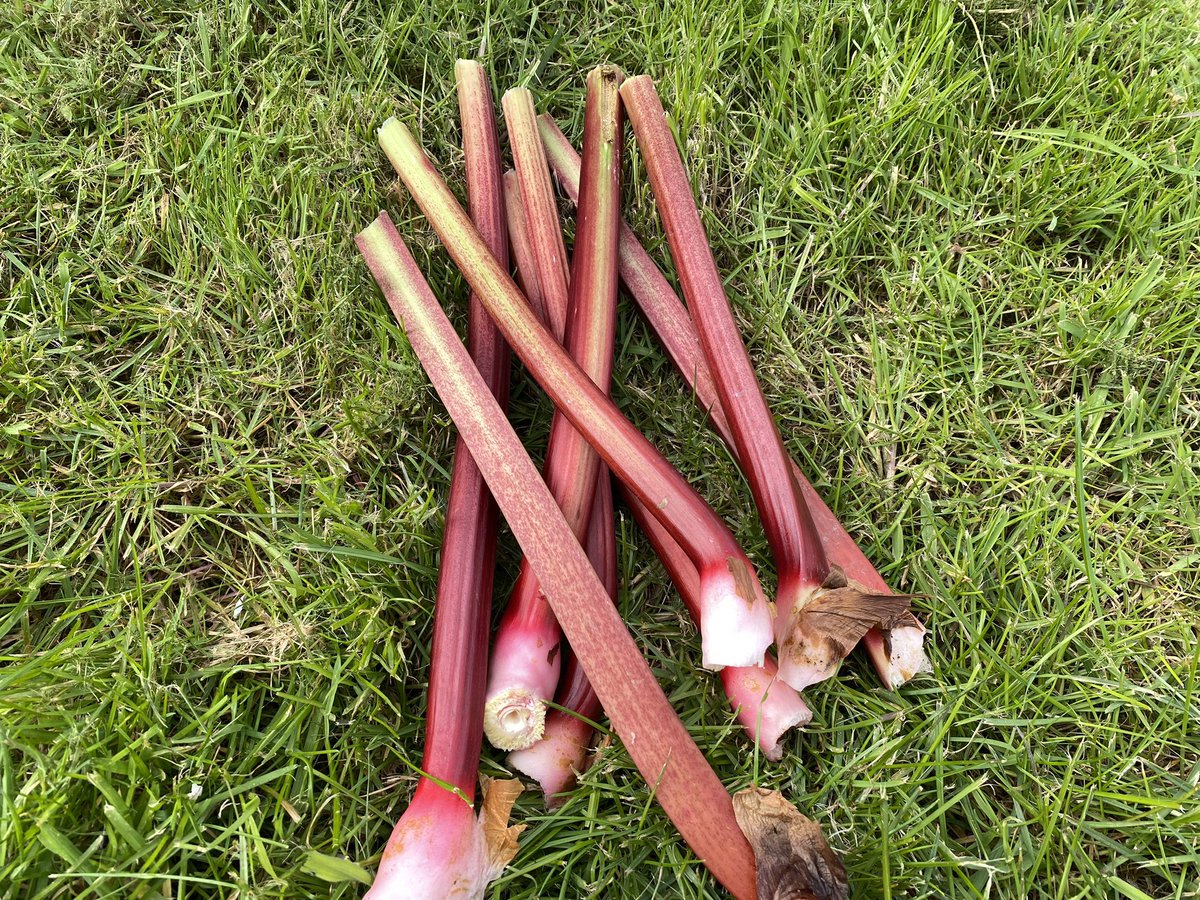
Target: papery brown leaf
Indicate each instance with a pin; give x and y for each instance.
(828, 627)
(792, 858)
(500, 838)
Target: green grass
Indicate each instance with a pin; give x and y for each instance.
(964, 243)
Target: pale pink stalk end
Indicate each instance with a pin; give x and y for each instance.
(735, 618)
(441, 849)
(765, 706)
(556, 760)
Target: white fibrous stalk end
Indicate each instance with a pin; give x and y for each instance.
(734, 630)
(514, 719)
(907, 654)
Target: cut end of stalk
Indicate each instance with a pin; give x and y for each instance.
(821, 631)
(735, 618)
(607, 73)
(389, 126)
(439, 848)
(514, 719)
(766, 707)
(906, 654)
(556, 760)
(792, 858)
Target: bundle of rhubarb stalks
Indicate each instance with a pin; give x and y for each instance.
(562, 658)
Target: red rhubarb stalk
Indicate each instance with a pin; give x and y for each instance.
(541, 210)
(560, 756)
(526, 656)
(518, 242)
(736, 615)
(683, 782)
(765, 707)
(820, 616)
(439, 847)
(896, 653)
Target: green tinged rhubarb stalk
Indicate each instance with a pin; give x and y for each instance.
(820, 615)
(896, 653)
(541, 209)
(526, 657)
(684, 784)
(737, 617)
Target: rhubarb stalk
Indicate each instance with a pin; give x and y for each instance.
(820, 615)
(439, 848)
(736, 622)
(683, 782)
(560, 756)
(555, 760)
(518, 242)
(896, 653)
(764, 706)
(541, 211)
(526, 657)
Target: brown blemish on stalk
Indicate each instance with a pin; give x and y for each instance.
(793, 861)
(743, 580)
(553, 653)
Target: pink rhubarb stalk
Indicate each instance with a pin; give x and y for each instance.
(820, 616)
(439, 848)
(561, 755)
(526, 656)
(683, 782)
(541, 209)
(736, 615)
(518, 242)
(765, 707)
(897, 652)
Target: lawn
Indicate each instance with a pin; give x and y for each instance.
(963, 243)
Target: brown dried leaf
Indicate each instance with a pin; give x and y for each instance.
(793, 860)
(500, 838)
(829, 626)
